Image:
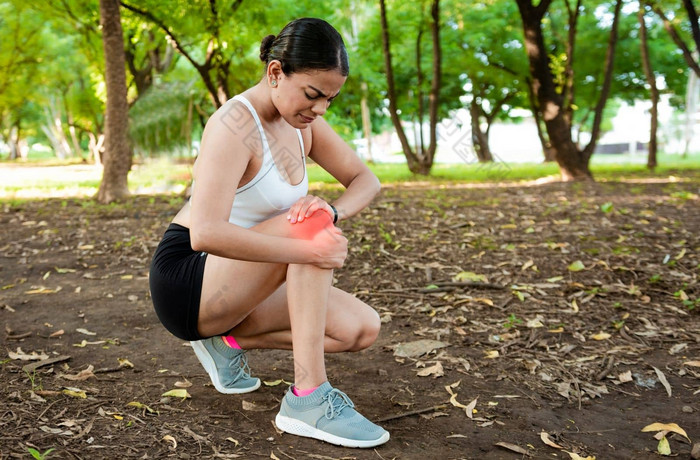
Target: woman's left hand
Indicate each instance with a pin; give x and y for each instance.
(306, 206)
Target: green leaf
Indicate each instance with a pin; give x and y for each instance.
(180, 393)
(607, 207)
(577, 266)
(470, 276)
(664, 448)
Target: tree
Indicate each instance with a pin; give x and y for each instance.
(675, 35)
(117, 156)
(554, 97)
(653, 90)
(419, 162)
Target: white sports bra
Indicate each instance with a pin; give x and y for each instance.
(268, 193)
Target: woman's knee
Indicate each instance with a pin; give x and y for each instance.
(366, 331)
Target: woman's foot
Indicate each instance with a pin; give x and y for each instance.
(329, 415)
(227, 367)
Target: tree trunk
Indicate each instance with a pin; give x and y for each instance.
(654, 91)
(420, 144)
(117, 155)
(547, 151)
(480, 139)
(366, 124)
(607, 83)
(413, 164)
(572, 164)
(693, 18)
(434, 101)
(15, 149)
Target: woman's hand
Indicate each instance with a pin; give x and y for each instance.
(306, 206)
(330, 248)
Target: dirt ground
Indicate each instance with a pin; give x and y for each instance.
(568, 310)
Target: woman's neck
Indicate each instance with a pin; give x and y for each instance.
(260, 96)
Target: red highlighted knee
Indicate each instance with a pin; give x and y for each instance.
(310, 226)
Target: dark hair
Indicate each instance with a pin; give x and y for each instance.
(306, 44)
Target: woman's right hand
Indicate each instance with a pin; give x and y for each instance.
(329, 247)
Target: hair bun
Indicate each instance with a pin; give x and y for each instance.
(265, 47)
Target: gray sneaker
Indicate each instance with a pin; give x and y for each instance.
(227, 367)
(329, 415)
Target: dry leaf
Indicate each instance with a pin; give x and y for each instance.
(171, 440)
(435, 371)
(75, 393)
(82, 375)
(470, 407)
(662, 379)
(692, 363)
(601, 336)
(417, 348)
(251, 406)
(666, 427)
(185, 384)
(578, 457)
(22, 356)
(544, 436)
(514, 448)
(234, 441)
(57, 333)
(123, 362)
(625, 377)
(181, 393)
(273, 456)
(491, 354)
(85, 331)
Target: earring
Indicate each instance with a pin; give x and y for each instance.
(273, 82)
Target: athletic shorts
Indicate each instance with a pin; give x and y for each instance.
(175, 280)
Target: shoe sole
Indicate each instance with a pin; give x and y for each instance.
(299, 428)
(208, 363)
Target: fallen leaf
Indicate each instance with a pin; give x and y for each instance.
(82, 375)
(274, 383)
(251, 406)
(664, 382)
(435, 370)
(75, 393)
(514, 448)
(692, 363)
(544, 436)
(576, 266)
(625, 377)
(185, 384)
(574, 306)
(470, 407)
(666, 427)
(664, 448)
(171, 440)
(139, 405)
(123, 362)
(491, 354)
(273, 456)
(417, 348)
(601, 336)
(57, 333)
(181, 393)
(578, 457)
(470, 276)
(84, 343)
(234, 441)
(85, 331)
(22, 356)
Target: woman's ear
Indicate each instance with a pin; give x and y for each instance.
(274, 72)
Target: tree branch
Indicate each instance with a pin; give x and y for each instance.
(687, 55)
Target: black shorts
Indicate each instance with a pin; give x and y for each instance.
(175, 280)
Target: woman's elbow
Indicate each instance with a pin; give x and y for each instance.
(200, 237)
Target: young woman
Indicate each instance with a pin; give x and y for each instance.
(248, 261)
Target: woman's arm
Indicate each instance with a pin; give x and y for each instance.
(223, 159)
(341, 161)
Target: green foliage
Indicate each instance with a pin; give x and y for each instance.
(38, 455)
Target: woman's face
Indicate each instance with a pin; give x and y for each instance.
(301, 97)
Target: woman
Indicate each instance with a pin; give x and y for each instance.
(248, 261)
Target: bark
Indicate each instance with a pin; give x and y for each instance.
(547, 149)
(117, 155)
(653, 90)
(694, 26)
(434, 102)
(366, 124)
(570, 52)
(420, 145)
(572, 164)
(411, 159)
(607, 83)
(480, 139)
